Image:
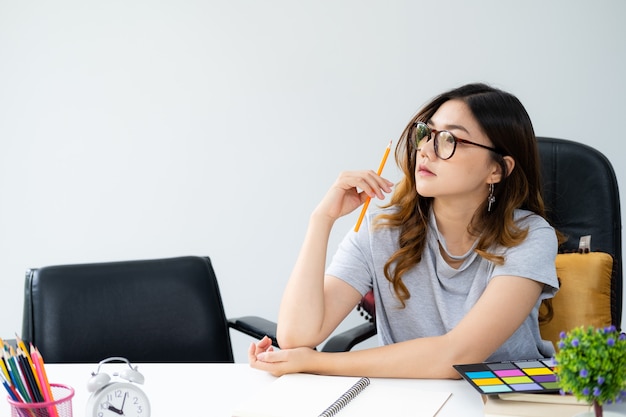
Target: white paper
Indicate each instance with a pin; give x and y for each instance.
(305, 395)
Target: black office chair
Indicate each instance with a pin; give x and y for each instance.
(160, 310)
(582, 198)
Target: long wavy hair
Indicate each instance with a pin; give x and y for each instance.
(507, 124)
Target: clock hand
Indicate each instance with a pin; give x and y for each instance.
(121, 409)
(123, 401)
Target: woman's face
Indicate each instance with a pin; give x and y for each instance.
(465, 177)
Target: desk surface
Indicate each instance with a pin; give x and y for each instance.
(178, 389)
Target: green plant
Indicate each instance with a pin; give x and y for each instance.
(591, 365)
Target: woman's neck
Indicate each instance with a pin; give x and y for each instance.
(453, 225)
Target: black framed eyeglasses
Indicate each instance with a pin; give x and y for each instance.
(445, 142)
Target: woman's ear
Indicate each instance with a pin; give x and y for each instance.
(496, 175)
(510, 164)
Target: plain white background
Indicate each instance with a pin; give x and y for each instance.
(142, 129)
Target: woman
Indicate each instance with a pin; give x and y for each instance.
(459, 260)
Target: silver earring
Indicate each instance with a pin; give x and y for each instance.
(491, 199)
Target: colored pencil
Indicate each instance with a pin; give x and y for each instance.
(8, 378)
(367, 201)
(16, 378)
(3, 363)
(29, 377)
(15, 397)
(3, 366)
(19, 380)
(9, 388)
(43, 378)
(26, 353)
(22, 345)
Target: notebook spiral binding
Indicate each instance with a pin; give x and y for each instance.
(346, 397)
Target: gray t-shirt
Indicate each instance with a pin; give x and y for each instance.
(441, 295)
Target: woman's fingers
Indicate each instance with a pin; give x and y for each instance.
(363, 184)
(286, 361)
(264, 345)
(350, 190)
(271, 356)
(269, 360)
(369, 182)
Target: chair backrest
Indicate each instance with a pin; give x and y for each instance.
(160, 310)
(581, 194)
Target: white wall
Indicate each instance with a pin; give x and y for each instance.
(139, 129)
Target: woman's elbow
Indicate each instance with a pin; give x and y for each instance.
(289, 339)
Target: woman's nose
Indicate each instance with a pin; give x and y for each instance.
(427, 149)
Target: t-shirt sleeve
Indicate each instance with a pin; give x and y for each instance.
(353, 262)
(533, 258)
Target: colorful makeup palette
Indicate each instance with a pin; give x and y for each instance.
(511, 376)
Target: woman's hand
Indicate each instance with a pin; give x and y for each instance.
(262, 356)
(344, 195)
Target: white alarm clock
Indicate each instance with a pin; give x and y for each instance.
(111, 398)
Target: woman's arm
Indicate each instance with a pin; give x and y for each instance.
(476, 337)
(313, 305)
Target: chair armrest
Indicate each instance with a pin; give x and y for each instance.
(254, 326)
(345, 341)
(258, 327)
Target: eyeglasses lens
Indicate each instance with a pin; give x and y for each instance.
(445, 144)
(421, 135)
(444, 141)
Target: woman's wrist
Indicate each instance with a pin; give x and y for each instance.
(319, 219)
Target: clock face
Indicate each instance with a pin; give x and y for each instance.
(118, 399)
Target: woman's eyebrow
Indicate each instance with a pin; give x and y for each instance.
(448, 127)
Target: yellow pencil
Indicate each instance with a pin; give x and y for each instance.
(367, 201)
(3, 366)
(21, 345)
(2, 363)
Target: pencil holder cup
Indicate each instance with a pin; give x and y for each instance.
(61, 406)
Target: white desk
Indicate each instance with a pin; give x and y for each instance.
(214, 390)
(183, 389)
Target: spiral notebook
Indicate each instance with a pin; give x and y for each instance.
(307, 395)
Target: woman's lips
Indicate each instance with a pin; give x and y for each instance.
(422, 170)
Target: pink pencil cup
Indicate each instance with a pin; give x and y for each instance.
(61, 406)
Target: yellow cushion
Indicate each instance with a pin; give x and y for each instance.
(584, 297)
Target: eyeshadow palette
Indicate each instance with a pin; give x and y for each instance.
(511, 376)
